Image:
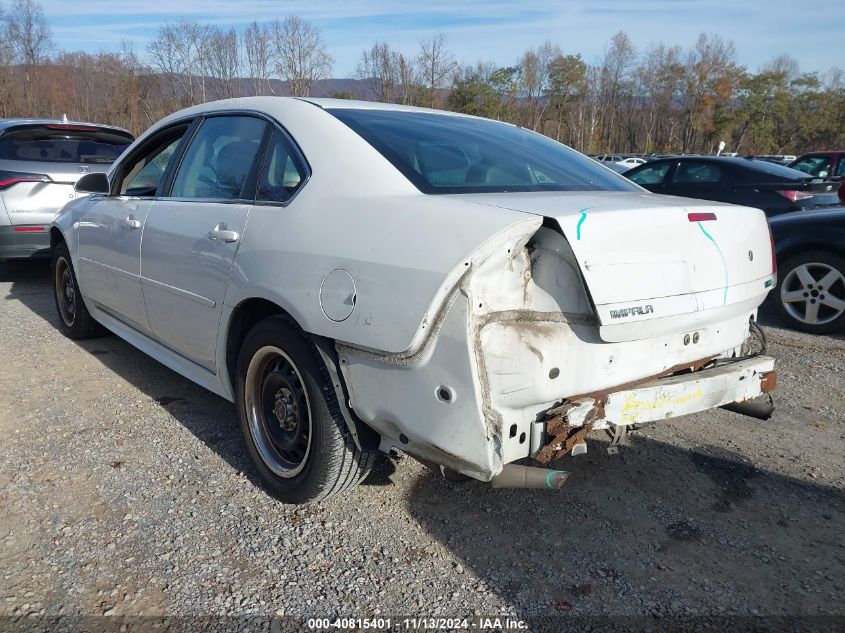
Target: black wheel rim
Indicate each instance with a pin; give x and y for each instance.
(65, 292)
(278, 411)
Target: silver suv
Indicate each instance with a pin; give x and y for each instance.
(40, 161)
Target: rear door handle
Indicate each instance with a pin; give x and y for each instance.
(131, 223)
(223, 234)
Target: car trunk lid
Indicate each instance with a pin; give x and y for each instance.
(32, 192)
(656, 264)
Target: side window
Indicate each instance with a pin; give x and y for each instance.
(840, 168)
(651, 175)
(282, 173)
(219, 158)
(145, 176)
(697, 173)
(818, 166)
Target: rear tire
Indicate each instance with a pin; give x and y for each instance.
(290, 420)
(810, 295)
(75, 321)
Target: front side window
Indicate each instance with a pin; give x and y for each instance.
(840, 168)
(282, 173)
(219, 159)
(651, 175)
(697, 173)
(144, 178)
(442, 153)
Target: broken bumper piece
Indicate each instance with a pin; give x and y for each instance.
(658, 399)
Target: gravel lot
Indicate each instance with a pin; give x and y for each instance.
(125, 489)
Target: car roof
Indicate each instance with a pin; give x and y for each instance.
(7, 123)
(821, 153)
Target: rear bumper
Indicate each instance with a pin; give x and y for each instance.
(21, 242)
(659, 399)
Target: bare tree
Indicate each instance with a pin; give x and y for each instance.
(379, 70)
(534, 81)
(259, 57)
(436, 65)
(29, 41)
(299, 54)
(225, 61)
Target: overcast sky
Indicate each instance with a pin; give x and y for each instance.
(478, 29)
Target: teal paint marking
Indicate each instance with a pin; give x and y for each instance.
(722, 256)
(583, 213)
(549, 477)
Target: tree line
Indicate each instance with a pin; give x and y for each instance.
(658, 99)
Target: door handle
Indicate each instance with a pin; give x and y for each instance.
(223, 234)
(131, 223)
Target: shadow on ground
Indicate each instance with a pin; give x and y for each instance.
(212, 419)
(655, 528)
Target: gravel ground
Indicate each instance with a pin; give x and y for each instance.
(125, 489)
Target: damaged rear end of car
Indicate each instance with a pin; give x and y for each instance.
(595, 312)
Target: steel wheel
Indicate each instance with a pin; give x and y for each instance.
(65, 291)
(278, 411)
(813, 293)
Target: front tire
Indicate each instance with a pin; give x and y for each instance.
(294, 432)
(75, 321)
(810, 295)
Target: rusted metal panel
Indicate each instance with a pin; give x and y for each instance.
(654, 400)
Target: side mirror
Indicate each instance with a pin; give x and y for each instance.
(93, 183)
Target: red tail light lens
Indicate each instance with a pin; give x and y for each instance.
(72, 128)
(11, 178)
(795, 196)
(701, 217)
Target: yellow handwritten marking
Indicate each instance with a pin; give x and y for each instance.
(635, 408)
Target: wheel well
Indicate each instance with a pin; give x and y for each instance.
(245, 316)
(797, 249)
(55, 237)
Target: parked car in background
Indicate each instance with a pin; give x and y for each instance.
(823, 165)
(40, 160)
(619, 169)
(777, 159)
(631, 162)
(773, 188)
(623, 161)
(810, 248)
(361, 277)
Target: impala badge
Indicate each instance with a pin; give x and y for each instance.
(624, 313)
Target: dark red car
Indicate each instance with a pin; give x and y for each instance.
(822, 165)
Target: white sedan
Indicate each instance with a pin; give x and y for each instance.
(361, 277)
(631, 162)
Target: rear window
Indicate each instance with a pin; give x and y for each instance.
(442, 153)
(63, 144)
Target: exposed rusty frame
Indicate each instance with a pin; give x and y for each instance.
(563, 437)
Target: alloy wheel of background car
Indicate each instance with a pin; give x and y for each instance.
(811, 293)
(278, 411)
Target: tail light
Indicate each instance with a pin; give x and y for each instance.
(795, 196)
(11, 178)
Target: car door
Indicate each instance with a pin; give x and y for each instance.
(192, 234)
(110, 231)
(704, 180)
